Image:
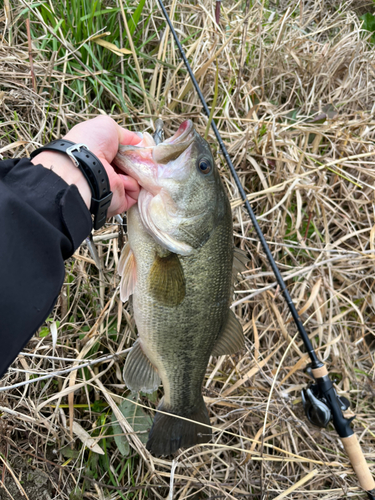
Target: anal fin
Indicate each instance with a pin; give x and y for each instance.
(231, 338)
(139, 373)
(128, 272)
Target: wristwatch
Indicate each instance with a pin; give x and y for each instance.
(94, 172)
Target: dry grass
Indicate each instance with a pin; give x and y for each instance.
(295, 108)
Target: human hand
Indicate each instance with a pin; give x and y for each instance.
(103, 136)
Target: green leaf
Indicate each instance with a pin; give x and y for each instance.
(69, 453)
(137, 418)
(368, 22)
(134, 20)
(100, 13)
(153, 397)
(44, 332)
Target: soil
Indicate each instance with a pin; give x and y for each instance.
(35, 482)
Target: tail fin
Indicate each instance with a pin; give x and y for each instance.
(169, 433)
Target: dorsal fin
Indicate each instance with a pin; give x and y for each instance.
(240, 260)
(231, 338)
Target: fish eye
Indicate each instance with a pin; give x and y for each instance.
(204, 166)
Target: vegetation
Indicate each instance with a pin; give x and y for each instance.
(295, 107)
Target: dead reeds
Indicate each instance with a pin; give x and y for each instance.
(296, 109)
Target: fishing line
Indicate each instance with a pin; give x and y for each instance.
(321, 402)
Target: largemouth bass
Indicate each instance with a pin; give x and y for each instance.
(178, 264)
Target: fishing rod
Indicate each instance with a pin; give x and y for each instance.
(320, 400)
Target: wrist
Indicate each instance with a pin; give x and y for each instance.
(63, 166)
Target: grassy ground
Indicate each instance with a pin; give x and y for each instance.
(295, 108)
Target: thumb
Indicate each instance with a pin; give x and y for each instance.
(127, 137)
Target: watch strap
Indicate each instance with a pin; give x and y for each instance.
(94, 172)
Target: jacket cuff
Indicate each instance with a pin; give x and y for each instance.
(75, 215)
(57, 202)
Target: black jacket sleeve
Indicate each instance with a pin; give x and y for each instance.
(42, 222)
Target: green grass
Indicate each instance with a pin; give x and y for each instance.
(75, 23)
(369, 24)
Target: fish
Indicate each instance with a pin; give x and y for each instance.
(178, 267)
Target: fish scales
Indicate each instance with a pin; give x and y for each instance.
(183, 317)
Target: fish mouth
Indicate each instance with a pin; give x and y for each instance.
(172, 148)
(142, 160)
(183, 134)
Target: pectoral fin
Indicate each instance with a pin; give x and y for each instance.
(139, 373)
(167, 281)
(128, 272)
(231, 339)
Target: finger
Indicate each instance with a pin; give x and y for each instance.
(125, 191)
(129, 201)
(131, 186)
(127, 137)
(131, 190)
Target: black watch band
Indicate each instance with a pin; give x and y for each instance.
(94, 172)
